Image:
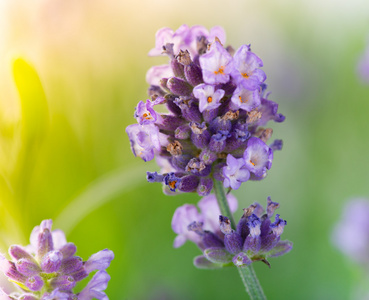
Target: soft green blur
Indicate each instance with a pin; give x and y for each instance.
(64, 153)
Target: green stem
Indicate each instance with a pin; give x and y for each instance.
(222, 201)
(251, 282)
(247, 273)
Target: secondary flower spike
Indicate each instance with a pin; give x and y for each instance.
(256, 238)
(48, 269)
(217, 110)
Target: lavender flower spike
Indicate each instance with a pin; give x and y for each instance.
(212, 107)
(47, 269)
(255, 239)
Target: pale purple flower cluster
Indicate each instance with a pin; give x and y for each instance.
(255, 239)
(217, 112)
(48, 269)
(351, 233)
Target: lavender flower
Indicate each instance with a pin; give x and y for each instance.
(258, 157)
(256, 238)
(47, 269)
(246, 69)
(363, 65)
(216, 110)
(235, 172)
(209, 98)
(351, 234)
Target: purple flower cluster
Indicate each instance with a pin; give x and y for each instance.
(255, 239)
(47, 269)
(217, 110)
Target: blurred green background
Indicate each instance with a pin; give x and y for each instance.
(64, 154)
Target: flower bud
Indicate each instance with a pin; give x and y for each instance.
(34, 283)
(27, 267)
(63, 282)
(51, 261)
(179, 86)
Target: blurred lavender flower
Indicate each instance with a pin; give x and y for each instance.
(47, 269)
(217, 107)
(363, 65)
(208, 216)
(255, 239)
(351, 234)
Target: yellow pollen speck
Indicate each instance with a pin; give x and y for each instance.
(245, 75)
(172, 184)
(243, 100)
(210, 99)
(147, 115)
(220, 71)
(252, 162)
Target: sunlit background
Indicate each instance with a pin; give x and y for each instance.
(64, 154)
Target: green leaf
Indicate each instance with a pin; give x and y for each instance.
(34, 124)
(97, 193)
(35, 114)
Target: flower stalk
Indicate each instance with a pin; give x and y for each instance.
(247, 273)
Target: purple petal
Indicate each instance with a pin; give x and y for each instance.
(216, 64)
(162, 37)
(56, 294)
(202, 262)
(241, 260)
(156, 73)
(95, 288)
(235, 172)
(144, 140)
(210, 210)
(183, 216)
(218, 255)
(59, 239)
(281, 248)
(245, 99)
(209, 98)
(99, 261)
(258, 156)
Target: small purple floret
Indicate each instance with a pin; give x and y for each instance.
(235, 172)
(144, 140)
(209, 97)
(144, 113)
(245, 99)
(216, 64)
(258, 157)
(246, 68)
